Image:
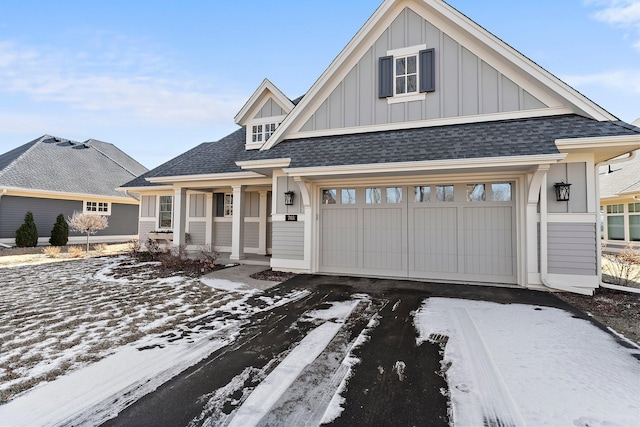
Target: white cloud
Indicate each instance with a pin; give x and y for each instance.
(623, 14)
(624, 80)
(115, 79)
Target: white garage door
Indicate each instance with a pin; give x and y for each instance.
(453, 232)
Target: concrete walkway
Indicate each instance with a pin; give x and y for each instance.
(241, 274)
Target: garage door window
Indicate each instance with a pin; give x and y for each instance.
(394, 194)
(476, 193)
(501, 192)
(444, 193)
(422, 193)
(373, 195)
(348, 196)
(329, 197)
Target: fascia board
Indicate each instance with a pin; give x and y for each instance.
(33, 192)
(268, 163)
(266, 85)
(485, 162)
(567, 144)
(144, 189)
(205, 177)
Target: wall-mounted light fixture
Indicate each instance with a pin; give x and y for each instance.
(562, 191)
(288, 197)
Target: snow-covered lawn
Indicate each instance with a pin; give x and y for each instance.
(59, 317)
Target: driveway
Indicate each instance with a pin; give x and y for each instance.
(362, 352)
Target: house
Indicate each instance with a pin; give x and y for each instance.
(620, 202)
(429, 149)
(50, 176)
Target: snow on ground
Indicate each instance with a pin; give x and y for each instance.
(138, 333)
(524, 365)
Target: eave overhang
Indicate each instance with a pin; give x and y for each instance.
(264, 167)
(204, 177)
(603, 147)
(522, 163)
(49, 194)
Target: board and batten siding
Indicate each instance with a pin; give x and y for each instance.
(572, 248)
(270, 109)
(465, 85)
(288, 240)
(574, 174)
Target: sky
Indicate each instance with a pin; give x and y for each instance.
(157, 79)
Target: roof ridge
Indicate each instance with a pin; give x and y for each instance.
(109, 157)
(33, 143)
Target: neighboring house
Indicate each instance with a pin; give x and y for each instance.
(620, 203)
(429, 149)
(51, 176)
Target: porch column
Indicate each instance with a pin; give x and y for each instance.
(536, 180)
(208, 228)
(262, 225)
(179, 216)
(237, 224)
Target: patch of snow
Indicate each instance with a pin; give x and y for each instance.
(555, 369)
(399, 367)
(271, 389)
(225, 285)
(395, 306)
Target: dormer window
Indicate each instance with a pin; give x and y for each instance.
(407, 74)
(260, 130)
(260, 133)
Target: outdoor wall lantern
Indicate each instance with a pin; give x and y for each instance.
(562, 191)
(288, 198)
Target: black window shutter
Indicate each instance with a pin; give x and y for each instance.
(427, 70)
(219, 204)
(385, 76)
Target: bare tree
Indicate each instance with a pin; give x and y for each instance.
(87, 223)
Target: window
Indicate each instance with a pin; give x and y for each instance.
(101, 208)
(228, 205)
(634, 222)
(406, 71)
(615, 222)
(406, 74)
(394, 194)
(166, 211)
(476, 193)
(423, 193)
(260, 133)
(373, 195)
(444, 193)
(329, 197)
(348, 196)
(501, 192)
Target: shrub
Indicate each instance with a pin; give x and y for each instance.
(100, 248)
(27, 234)
(134, 247)
(75, 251)
(623, 268)
(60, 232)
(153, 247)
(51, 251)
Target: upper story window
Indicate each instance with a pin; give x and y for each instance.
(261, 133)
(407, 74)
(100, 208)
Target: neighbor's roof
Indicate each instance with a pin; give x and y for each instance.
(517, 137)
(623, 178)
(56, 164)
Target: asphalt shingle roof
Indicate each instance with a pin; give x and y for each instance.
(624, 177)
(55, 164)
(517, 137)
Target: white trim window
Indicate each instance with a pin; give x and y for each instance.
(262, 132)
(96, 207)
(165, 212)
(228, 204)
(406, 75)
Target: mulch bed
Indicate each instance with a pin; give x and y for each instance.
(272, 276)
(616, 309)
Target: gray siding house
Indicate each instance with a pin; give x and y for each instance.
(50, 176)
(429, 149)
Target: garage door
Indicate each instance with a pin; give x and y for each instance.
(452, 232)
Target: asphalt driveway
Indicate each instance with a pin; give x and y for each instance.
(373, 369)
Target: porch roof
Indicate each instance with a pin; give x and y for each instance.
(516, 137)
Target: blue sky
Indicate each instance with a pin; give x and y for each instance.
(159, 78)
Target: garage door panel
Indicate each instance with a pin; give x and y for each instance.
(433, 243)
(383, 239)
(489, 241)
(339, 239)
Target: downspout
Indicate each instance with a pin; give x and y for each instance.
(632, 155)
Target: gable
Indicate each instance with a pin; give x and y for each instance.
(477, 77)
(270, 109)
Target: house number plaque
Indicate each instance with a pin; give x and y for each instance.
(291, 217)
